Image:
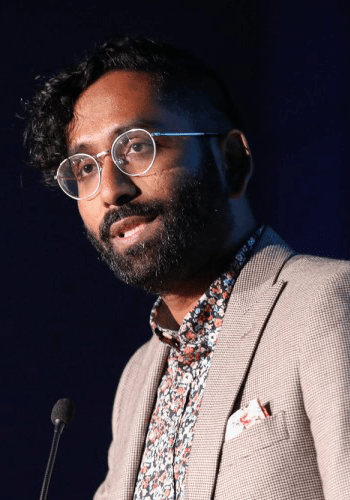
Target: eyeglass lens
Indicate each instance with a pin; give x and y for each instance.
(132, 152)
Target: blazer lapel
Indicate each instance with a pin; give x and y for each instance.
(143, 397)
(256, 291)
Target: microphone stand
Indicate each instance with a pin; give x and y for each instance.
(59, 426)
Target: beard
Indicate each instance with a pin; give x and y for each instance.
(192, 219)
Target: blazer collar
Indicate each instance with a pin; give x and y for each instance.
(255, 293)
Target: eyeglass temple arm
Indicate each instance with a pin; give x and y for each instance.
(157, 134)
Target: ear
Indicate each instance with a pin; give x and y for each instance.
(238, 162)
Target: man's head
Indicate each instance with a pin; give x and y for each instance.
(149, 228)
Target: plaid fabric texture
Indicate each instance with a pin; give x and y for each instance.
(285, 340)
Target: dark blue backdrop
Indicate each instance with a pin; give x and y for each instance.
(67, 326)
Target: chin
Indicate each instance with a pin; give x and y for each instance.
(152, 265)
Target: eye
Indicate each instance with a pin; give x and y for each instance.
(87, 169)
(137, 147)
(135, 142)
(133, 152)
(83, 167)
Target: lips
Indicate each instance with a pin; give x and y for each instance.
(129, 226)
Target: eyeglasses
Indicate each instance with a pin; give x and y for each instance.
(133, 152)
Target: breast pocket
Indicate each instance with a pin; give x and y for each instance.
(262, 435)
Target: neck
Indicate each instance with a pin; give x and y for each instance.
(178, 303)
(185, 294)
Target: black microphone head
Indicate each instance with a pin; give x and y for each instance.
(63, 411)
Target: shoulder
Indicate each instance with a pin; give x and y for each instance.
(314, 292)
(316, 300)
(275, 254)
(320, 278)
(312, 267)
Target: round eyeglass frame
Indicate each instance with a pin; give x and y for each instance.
(96, 157)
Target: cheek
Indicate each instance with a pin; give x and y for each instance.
(89, 216)
(192, 157)
(171, 168)
(161, 184)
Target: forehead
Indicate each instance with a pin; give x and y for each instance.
(118, 87)
(118, 99)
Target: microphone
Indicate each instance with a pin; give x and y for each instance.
(62, 414)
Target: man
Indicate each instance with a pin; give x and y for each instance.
(243, 389)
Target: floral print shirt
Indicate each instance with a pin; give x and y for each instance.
(171, 429)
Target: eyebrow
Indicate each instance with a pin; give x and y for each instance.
(150, 125)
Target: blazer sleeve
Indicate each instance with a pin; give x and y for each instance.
(108, 489)
(325, 380)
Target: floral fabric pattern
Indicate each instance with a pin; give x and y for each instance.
(171, 429)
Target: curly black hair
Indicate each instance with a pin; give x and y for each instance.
(52, 108)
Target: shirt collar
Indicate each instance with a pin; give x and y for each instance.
(200, 327)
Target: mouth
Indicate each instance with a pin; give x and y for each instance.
(130, 228)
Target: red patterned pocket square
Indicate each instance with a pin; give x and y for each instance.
(245, 418)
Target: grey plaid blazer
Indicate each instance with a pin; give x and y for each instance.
(285, 339)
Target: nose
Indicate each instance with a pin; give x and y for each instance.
(116, 187)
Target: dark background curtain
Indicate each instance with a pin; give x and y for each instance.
(67, 326)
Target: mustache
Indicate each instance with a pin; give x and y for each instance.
(148, 209)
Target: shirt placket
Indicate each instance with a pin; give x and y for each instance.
(184, 386)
